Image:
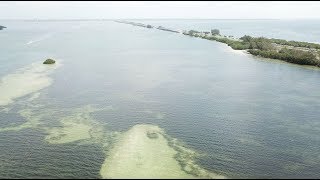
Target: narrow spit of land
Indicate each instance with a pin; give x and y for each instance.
(2, 27)
(302, 53)
(147, 26)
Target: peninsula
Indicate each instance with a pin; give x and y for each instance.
(302, 53)
(135, 24)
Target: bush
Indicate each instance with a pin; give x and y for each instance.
(49, 61)
(289, 55)
(215, 32)
(192, 32)
(263, 47)
(295, 43)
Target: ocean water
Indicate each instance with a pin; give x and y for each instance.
(249, 117)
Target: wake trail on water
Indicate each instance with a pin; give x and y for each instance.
(39, 39)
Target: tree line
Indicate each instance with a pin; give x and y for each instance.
(264, 47)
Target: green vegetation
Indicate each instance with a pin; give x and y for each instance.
(238, 45)
(264, 47)
(295, 43)
(215, 32)
(49, 61)
(193, 33)
(260, 43)
(289, 55)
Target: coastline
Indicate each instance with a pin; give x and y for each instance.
(304, 54)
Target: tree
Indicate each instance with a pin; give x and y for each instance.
(246, 38)
(193, 32)
(215, 32)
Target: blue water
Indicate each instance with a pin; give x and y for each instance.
(252, 117)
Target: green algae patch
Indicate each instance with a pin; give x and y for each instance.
(145, 152)
(70, 132)
(25, 81)
(78, 126)
(187, 160)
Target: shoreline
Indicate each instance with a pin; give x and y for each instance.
(294, 52)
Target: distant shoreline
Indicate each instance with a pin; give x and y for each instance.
(295, 52)
(160, 19)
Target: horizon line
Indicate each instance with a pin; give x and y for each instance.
(107, 19)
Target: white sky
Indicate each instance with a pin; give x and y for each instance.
(168, 9)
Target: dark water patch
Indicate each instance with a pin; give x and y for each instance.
(11, 118)
(24, 154)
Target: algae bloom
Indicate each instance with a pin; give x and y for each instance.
(77, 126)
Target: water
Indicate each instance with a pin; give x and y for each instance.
(251, 117)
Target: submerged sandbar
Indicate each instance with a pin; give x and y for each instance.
(144, 152)
(25, 81)
(138, 156)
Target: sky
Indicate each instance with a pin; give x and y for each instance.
(159, 9)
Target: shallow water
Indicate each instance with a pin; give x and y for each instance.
(246, 116)
(137, 154)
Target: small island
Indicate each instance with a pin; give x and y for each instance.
(49, 61)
